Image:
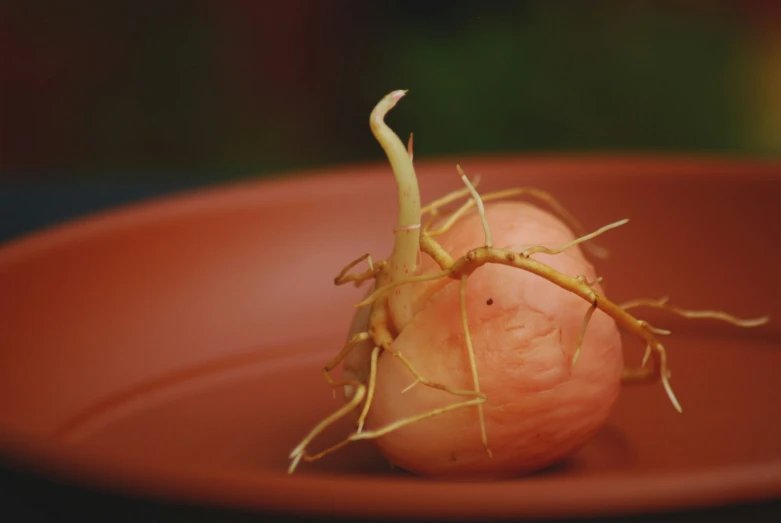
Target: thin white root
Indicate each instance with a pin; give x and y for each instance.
(297, 453)
(351, 343)
(398, 283)
(410, 386)
(650, 328)
(391, 427)
(428, 383)
(670, 394)
(413, 419)
(538, 194)
(539, 248)
(345, 276)
(293, 464)
(662, 304)
(472, 363)
(646, 356)
(436, 205)
(582, 333)
(480, 207)
(372, 385)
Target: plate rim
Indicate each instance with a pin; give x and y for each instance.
(272, 491)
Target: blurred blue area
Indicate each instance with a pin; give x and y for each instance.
(28, 208)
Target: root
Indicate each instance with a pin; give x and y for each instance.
(372, 385)
(367, 391)
(300, 451)
(662, 304)
(383, 431)
(336, 360)
(669, 390)
(410, 386)
(435, 251)
(344, 276)
(396, 425)
(473, 366)
(480, 207)
(383, 339)
(539, 248)
(434, 207)
(385, 289)
(582, 333)
(379, 326)
(536, 194)
(646, 356)
(431, 384)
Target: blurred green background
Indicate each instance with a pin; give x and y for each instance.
(214, 90)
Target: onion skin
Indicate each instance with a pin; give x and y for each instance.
(524, 329)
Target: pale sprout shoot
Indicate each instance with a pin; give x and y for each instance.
(391, 311)
(407, 231)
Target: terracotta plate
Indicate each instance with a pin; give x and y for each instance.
(172, 349)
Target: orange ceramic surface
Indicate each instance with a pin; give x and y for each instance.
(173, 349)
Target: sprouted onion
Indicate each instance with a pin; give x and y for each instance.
(486, 347)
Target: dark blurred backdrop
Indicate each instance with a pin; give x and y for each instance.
(174, 92)
(233, 88)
